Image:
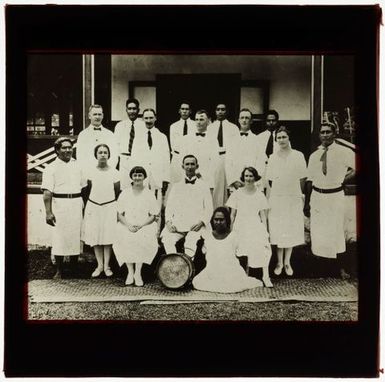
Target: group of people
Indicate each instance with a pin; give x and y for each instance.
(239, 192)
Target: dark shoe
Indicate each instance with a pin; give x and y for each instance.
(57, 276)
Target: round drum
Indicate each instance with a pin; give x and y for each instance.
(175, 270)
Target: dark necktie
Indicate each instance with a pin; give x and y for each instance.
(200, 134)
(132, 136)
(269, 147)
(190, 181)
(149, 139)
(323, 159)
(244, 134)
(185, 127)
(220, 135)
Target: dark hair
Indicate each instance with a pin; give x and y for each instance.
(221, 103)
(226, 214)
(138, 170)
(60, 141)
(273, 112)
(282, 129)
(95, 106)
(132, 100)
(253, 171)
(246, 109)
(149, 109)
(202, 111)
(185, 103)
(102, 145)
(190, 156)
(331, 125)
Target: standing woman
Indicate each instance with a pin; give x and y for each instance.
(286, 172)
(248, 214)
(136, 233)
(100, 214)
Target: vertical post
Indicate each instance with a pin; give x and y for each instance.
(88, 85)
(317, 82)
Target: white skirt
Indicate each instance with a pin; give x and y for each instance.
(99, 224)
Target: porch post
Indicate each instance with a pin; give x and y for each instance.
(317, 82)
(88, 86)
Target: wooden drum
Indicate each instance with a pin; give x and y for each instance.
(175, 270)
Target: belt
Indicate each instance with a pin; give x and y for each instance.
(126, 154)
(222, 152)
(101, 204)
(67, 196)
(327, 190)
(176, 152)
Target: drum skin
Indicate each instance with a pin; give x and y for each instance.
(175, 270)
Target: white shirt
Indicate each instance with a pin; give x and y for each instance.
(188, 204)
(88, 139)
(338, 160)
(156, 161)
(244, 152)
(63, 177)
(176, 132)
(230, 132)
(205, 149)
(122, 133)
(263, 139)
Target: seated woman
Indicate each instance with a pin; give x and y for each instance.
(100, 214)
(136, 240)
(223, 273)
(248, 213)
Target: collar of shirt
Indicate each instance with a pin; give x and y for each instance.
(193, 179)
(94, 128)
(330, 147)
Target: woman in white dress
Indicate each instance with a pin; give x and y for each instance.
(286, 173)
(100, 213)
(222, 273)
(136, 233)
(248, 214)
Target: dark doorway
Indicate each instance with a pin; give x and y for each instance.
(204, 91)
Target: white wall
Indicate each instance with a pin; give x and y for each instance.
(289, 76)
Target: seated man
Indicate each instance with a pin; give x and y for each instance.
(188, 209)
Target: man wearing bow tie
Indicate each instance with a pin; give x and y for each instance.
(203, 146)
(188, 210)
(152, 152)
(245, 152)
(94, 135)
(330, 167)
(185, 126)
(225, 133)
(126, 132)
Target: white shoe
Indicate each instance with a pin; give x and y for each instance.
(138, 281)
(289, 270)
(267, 282)
(278, 269)
(108, 272)
(129, 279)
(97, 272)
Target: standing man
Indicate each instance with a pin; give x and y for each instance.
(94, 135)
(152, 152)
(330, 167)
(267, 137)
(204, 147)
(185, 126)
(125, 135)
(62, 186)
(245, 152)
(188, 210)
(225, 133)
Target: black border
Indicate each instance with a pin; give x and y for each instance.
(192, 348)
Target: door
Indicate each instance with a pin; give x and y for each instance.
(203, 91)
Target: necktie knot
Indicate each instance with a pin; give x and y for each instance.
(200, 134)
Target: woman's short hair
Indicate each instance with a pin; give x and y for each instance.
(226, 214)
(102, 145)
(60, 141)
(282, 129)
(253, 171)
(138, 170)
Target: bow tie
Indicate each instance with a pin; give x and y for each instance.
(97, 128)
(200, 134)
(190, 181)
(244, 134)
